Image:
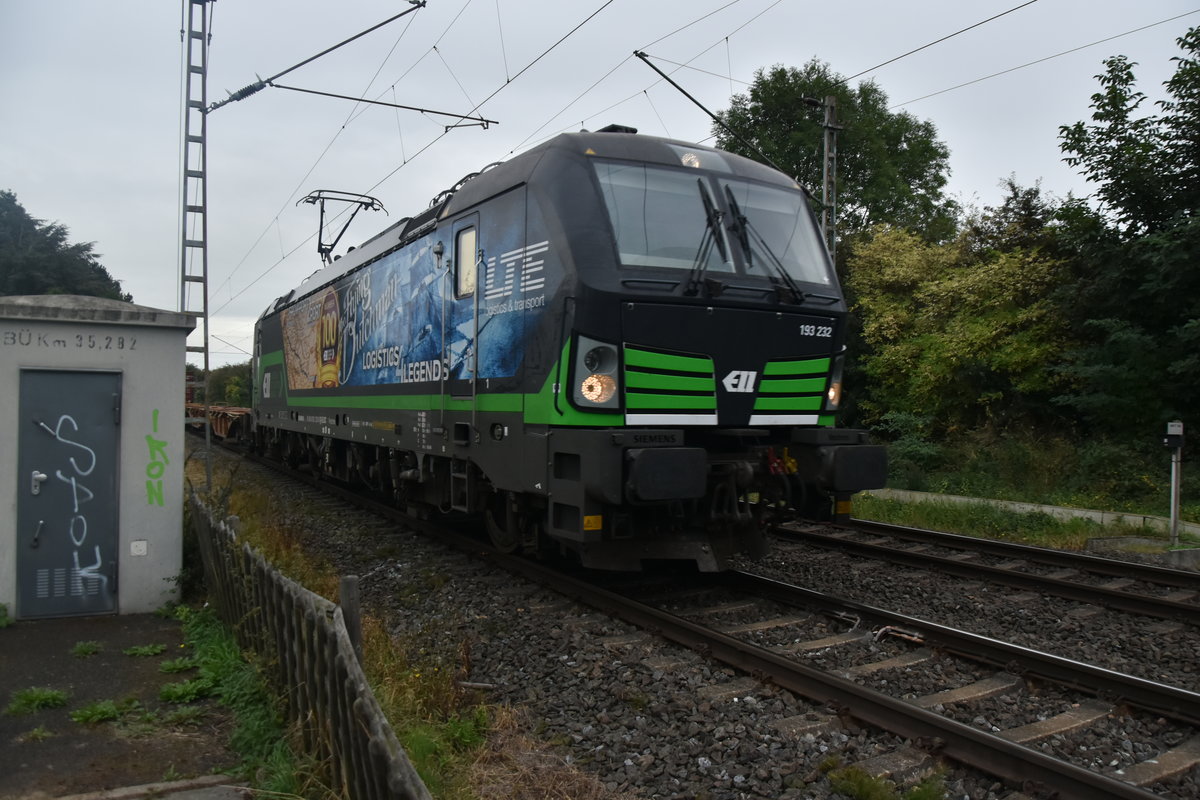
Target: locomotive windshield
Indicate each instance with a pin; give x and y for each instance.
(657, 215)
(659, 219)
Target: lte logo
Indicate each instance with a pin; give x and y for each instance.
(740, 380)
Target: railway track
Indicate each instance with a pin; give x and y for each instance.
(1121, 585)
(784, 660)
(853, 658)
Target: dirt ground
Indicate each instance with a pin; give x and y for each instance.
(45, 753)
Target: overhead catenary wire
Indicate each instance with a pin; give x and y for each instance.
(436, 139)
(653, 108)
(262, 83)
(482, 120)
(608, 75)
(1046, 58)
(297, 190)
(351, 118)
(687, 65)
(625, 61)
(407, 160)
(503, 48)
(454, 77)
(605, 110)
(939, 41)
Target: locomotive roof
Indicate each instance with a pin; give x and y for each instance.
(617, 143)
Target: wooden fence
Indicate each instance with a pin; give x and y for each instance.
(303, 639)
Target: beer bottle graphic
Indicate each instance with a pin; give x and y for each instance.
(329, 355)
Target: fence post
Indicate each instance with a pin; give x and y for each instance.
(351, 612)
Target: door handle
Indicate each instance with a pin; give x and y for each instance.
(37, 534)
(35, 485)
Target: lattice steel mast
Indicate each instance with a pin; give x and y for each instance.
(193, 254)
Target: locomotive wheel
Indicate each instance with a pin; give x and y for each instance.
(502, 526)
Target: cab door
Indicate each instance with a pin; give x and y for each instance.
(460, 320)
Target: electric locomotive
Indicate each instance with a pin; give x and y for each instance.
(615, 346)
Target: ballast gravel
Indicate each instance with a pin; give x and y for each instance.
(652, 720)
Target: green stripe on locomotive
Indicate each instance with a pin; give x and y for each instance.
(643, 391)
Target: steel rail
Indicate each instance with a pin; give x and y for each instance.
(954, 740)
(1113, 598)
(1185, 579)
(1170, 701)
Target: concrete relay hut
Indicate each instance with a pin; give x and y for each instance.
(91, 455)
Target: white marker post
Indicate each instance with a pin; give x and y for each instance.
(1174, 440)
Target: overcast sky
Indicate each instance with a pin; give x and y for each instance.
(90, 101)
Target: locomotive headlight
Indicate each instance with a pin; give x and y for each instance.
(598, 388)
(596, 368)
(833, 397)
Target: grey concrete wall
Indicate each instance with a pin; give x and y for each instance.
(147, 346)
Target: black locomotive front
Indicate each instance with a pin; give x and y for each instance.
(708, 332)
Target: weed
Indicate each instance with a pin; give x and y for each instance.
(857, 784)
(416, 689)
(972, 519)
(185, 717)
(181, 664)
(38, 734)
(186, 691)
(829, 763)
(171, 775)
(137, 723)
(168, 610)
(467, 733)
(144, 650)
(95, 713)
(5, 619)
(259, 736)
(85, 649)
(26, 701)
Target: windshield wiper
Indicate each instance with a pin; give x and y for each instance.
(743, 229)
(712, 234)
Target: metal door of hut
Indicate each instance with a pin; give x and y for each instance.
(67, 493)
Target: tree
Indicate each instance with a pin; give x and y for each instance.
(227, 385)
(1136, 298)
(891, 168)
(956, 335)
(36, 258)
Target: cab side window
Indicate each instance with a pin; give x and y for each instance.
(465, 257)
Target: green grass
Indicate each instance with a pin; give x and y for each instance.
(259, 737)
(188, 691)
(1093, 473)
(27, 701)
(5, 619)
(176, 665)
(854, 783)
(973, 519)
(145, 650)
(38, 734)
(95, 713)
(85, 649)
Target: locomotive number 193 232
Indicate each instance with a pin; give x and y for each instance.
(821, 331)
